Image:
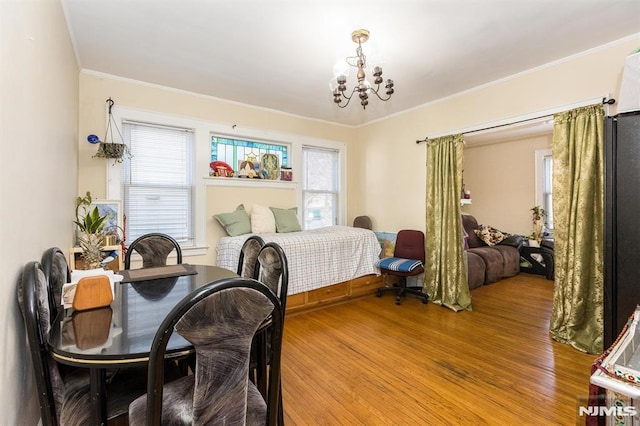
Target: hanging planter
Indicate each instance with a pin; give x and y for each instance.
(113, 150)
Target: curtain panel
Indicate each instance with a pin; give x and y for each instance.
(578, 197)
(445, 276)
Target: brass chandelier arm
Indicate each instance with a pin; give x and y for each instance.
(344, 96)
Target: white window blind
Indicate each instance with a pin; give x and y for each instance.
(158, 181)
(320, 186)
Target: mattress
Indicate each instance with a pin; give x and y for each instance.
(317, 257)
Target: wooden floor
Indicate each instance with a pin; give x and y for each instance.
(370, 362)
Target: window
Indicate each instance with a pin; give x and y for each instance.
(544, 184)
(234, 151)
(158, 181)
(320, 187)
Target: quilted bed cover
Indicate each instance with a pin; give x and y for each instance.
(317, 257)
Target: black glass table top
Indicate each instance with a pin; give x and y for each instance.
(122, 333)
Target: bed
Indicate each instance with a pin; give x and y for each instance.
(317, 258)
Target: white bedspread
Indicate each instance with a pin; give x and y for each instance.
(318, 257)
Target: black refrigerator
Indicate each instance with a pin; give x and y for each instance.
(621, 222)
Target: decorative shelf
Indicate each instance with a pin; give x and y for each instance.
(253, 183)
(464, 201)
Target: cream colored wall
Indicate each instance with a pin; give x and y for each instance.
(225, 199)
(95, 89)
(387, 169)
(38, 172)
(501, 178)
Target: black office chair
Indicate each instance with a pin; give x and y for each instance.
(407, 261)
(220, 320)
(154, 249)
(65, 399)
(248, 256)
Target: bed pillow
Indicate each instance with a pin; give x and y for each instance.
(236, 222)
(490, 235)
(262, 220)
(286, 219)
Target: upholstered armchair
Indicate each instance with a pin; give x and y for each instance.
(500, 255)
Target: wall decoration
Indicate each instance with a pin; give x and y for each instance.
(271, 165)
(112, 209)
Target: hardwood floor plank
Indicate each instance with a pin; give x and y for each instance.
(371, 362)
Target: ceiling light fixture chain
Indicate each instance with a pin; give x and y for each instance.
(363, 88)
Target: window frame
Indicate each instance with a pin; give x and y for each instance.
(335, 193)
(540, 155)
(203, 130)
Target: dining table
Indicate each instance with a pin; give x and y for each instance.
(120, 335)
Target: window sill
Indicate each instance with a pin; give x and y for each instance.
(195, 251)
(253, 183)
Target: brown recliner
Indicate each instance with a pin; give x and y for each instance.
(501, 260)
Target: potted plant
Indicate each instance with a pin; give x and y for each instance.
(91, 234)
(537, 218)
(114, 150)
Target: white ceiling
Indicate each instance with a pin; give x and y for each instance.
(279, 54)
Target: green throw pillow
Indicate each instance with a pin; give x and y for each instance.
(236, 222)
(286, 219)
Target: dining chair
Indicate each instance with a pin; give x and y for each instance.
(220, 320)
(248, 255)
(154, 249)
(65, 399)
(271, 269)
(57, 273)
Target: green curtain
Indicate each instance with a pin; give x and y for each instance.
(445, 276)
(578, 213)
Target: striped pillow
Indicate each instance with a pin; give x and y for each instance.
(398, 264)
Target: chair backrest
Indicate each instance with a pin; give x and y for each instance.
(362, 222)
(57, 273)
(154, 249)
(248, 255)
(220, 320)
(410, 245)
(470, 224)
(33, 299)
(272, 269)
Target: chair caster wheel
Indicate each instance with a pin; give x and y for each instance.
(378, 293)
(424, 301)
(397, 301)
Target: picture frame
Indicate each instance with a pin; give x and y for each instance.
(113, 210)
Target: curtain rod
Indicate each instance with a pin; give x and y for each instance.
(605, 101)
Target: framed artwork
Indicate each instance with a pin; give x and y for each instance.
(387, 242)
(113, 210)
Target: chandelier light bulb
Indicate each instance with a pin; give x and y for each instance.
(340, 95)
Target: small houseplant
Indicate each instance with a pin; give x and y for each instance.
(537, 218)
(114, 150)
(90, 231)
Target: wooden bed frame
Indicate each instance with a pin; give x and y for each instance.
(341, 292)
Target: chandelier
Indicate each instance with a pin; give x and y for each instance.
(363, 88)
